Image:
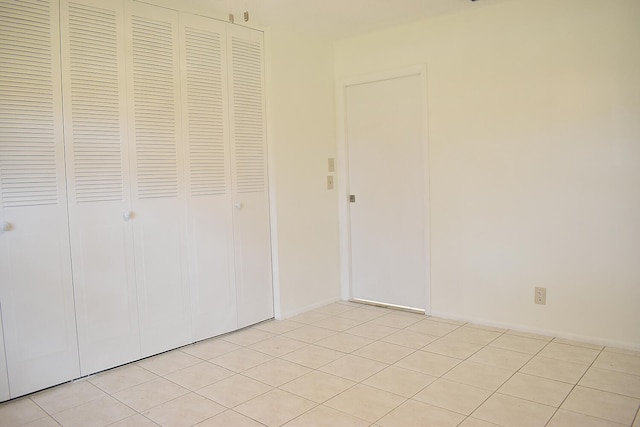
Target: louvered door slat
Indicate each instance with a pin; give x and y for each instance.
(95, 110)
(247, 106)
(26, 145)
(154, 101)
(205, 124)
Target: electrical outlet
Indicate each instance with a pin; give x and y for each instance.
(329, 182)
(541, 296)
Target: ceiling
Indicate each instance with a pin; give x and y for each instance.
(334, 19)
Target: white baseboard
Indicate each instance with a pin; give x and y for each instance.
(547, 332)
(304, 309)
(484, 322)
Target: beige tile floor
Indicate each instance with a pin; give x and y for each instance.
(348, 364)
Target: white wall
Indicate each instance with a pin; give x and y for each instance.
(534, 134)
(301, 137)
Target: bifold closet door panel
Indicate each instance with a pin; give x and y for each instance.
(36, 293)
(157, 177)
(4, 376)
(253, 259)
(208, 177)
(249, 175)
(93, 60)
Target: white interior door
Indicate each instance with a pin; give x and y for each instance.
(36, 293)
(386, 162)
(249, 176)
(98, 176)
(206, 152)
(157, 174)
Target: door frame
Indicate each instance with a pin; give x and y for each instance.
(342, 167)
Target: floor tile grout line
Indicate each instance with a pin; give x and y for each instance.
(592, 416)
(89, 401)
(361, 382)
(453, 367)
(155, 406)
(616, 372)
(319, 404)
(189, 391)
(391, 410)
(371, 321)
(31, 395)
(574, 386)
(610, 392)
(324, 403)
(504, 382)
(447, 409)
(127, 388)
(131, 416)
(253, 419)
(39, 406)
(421, 349)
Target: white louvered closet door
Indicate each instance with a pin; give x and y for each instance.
(158, 186)
(206, 152)
(36, 294)
(4, 375)
(93, 38)
(249, 175)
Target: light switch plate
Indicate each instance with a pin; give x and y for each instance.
(329, 182)
(541, 296)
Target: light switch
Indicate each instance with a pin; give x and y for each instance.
(329, 182)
